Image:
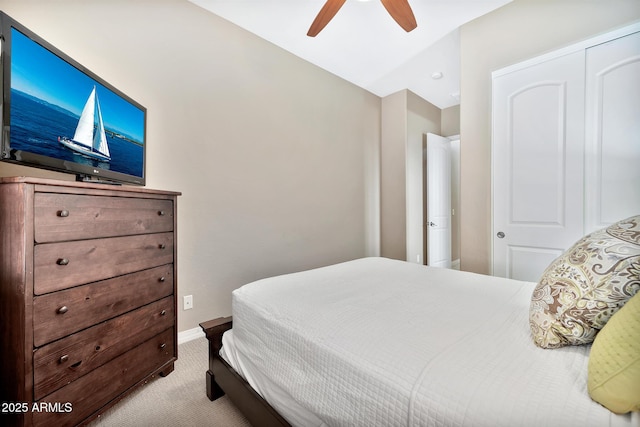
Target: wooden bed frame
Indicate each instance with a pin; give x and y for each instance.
(222, 379)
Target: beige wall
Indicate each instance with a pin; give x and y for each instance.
(393, 198)
(276, 158)
(405, 119)
(423, 117)
(451, 121)
(517, 31)
(451, 127)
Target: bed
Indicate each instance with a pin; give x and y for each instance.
(381, 342)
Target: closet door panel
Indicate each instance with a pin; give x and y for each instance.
(537, 152)
(613, 132)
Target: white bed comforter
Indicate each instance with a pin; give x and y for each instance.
(377, 342)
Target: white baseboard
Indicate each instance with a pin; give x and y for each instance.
(190, 335)
(455, 264)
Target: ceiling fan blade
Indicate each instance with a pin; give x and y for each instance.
(402, 13)
(328, 11)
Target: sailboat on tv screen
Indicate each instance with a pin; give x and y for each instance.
(90, 138)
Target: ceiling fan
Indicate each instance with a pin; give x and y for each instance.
(399, 10)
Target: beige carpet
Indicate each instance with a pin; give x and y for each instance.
(179, 399)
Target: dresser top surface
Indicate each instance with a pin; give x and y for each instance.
(83, 185)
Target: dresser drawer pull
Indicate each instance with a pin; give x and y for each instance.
(162, 246)
(62, 261)
(163, 312)
(63, 213)
(162, 279)
(161, 213)
(63, 358)
(163, 345)
(62, 310)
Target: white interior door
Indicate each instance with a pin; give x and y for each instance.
(613, 132)
(438, 218)
(537, 165)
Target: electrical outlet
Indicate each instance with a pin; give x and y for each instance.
(188, 302)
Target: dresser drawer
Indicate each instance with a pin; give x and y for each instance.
(63, 265)
(88, 285)
(64, 361)
(62, 217)
(90, 392)
(61, 313)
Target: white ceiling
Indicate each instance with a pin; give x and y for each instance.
(363, 44)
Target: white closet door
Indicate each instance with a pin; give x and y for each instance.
(612, 132)
(538, 160)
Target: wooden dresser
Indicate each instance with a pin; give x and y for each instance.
(87, 296)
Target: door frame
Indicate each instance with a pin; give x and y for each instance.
(428, 188)
(422, 205)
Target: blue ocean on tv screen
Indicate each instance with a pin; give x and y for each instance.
(47, 98)
(36, 126)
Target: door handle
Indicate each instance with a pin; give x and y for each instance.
(431, 224)
(500, 235)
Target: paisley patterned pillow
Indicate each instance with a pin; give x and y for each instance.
(586, 285)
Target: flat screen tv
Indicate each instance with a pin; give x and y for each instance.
(58, 115)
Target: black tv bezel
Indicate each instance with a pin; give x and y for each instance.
(26, 158)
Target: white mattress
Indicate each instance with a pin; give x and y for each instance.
(377, 342)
